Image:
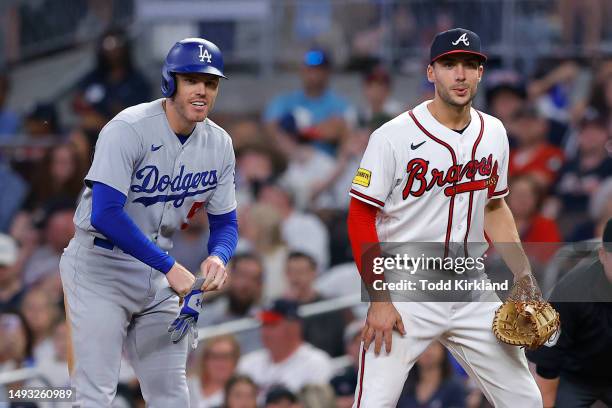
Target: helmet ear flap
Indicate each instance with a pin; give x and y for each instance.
(168, 83)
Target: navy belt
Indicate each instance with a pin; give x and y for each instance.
(103, 243)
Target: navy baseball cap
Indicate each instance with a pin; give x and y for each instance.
(316, 57)
(455, 41)
(279, 309)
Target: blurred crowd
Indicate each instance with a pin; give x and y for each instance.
(295, 160)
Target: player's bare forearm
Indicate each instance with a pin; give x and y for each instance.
(501, 229)
(548, 389)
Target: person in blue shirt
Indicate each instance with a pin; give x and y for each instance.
(314, 114)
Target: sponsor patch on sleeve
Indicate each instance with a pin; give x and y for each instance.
(362, 177)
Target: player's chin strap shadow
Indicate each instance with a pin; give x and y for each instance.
(186, 322)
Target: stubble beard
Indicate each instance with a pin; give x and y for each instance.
(447, 98)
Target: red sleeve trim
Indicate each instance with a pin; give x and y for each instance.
(367, 198)
(498, 193)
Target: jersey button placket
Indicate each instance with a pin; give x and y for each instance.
(168, 205)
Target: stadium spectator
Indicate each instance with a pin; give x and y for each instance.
(246, 131)
(525, 201)
(314, 114)
(600, 210)
(261, 232)
(40, 131)
(574, 369)
(9, 120)
(12, 289)
(55, 368)
(59, 176)
(255, 165)
(240, 392)
(532, 154)
(600, 99)
(432, 383)
(344, 390)
(344, 383)
(330, 192)
(301, 231)
(52, 286)
(58, 229)
(552, 86)
(281, 397)
(306, 160)
(41, 314)
(15, 341)
(240, 300)
(325, 330)
(15, 352)
(217, 364)
(505, 96)
(379, 106)
(315, 396)
(42, 121)
(286, 358)
(113, 85)
(583, 175)
(13, 193)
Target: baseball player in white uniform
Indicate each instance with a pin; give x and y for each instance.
(438, 173)
(155, 165)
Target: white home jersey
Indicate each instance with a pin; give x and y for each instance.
(432, 183)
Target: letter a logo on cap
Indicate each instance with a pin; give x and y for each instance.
(463, 38)
(204, 55)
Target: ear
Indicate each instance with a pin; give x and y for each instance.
(430, 74)
(480, 72)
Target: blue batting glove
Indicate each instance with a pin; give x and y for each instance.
(186, 322)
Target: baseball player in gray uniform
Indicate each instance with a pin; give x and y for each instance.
(155, 165)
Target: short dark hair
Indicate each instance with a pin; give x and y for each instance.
(245, 256)
(237, 379)
(302, 255)
(279, 393)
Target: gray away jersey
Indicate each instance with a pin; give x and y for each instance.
(165, 182)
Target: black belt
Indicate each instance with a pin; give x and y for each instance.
(103, 243)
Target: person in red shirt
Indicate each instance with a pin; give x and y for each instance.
(525, 201)
(533, 154)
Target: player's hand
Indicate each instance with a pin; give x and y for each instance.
(213, 270)
(186, 322)
(180, 279)
(382, 319)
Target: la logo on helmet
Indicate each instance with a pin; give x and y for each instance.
(204, 54)
(462, 39)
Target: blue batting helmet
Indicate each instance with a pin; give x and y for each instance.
(191, 55)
